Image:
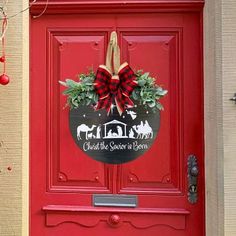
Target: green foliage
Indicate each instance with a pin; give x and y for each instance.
(82, 92)
(148, 92)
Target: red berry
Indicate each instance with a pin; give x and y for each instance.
(2, 59)
(4, 79)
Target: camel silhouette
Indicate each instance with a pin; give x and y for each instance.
(84, 128)
(143, 130)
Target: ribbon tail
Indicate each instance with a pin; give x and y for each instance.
(104, 103)
(99, 105)
(128, 102)
(119, 107)
(120, 102)
(108, 109)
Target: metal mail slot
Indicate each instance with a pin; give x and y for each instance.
(115, 200)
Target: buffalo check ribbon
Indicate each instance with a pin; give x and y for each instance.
(114, 88)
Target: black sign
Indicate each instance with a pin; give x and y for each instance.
(114, 139)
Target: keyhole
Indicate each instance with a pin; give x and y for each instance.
(193, 189)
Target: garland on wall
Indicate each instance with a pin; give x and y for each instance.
(4, 78)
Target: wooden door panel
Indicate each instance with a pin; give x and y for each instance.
(155, 171)
(64, 179)
(69, 168)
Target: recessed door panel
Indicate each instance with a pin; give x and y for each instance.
(162, 57)
(71, 51)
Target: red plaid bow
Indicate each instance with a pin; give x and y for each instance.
(116, 88)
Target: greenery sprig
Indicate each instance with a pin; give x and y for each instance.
(82, 92)
(148, 92)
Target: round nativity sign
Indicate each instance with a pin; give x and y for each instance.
(116, 138)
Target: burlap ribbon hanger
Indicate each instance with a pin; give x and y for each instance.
(113, 54)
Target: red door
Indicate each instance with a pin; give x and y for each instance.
(64, 180)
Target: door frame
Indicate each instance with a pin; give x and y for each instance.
(213, 146)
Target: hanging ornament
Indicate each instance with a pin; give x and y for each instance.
(4, 79)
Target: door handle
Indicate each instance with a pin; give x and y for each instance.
(193, 172)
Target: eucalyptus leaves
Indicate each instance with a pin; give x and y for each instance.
(148, 92)
(82, 92)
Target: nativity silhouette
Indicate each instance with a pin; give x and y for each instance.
(116, 130)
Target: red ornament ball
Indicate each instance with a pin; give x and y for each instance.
(4, 79)
(2, 59)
